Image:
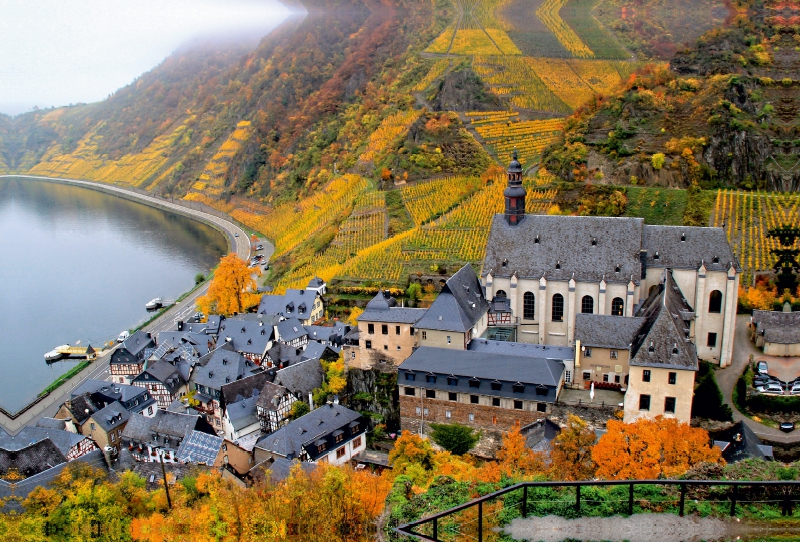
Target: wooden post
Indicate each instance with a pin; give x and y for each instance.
(436, 529)
(683, 500)
(525, 501)
(630, 500)
(164, 474)
(578, 499)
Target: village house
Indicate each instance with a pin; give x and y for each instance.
(163, 434)
(251, 337)
(385, 334)
(127, 361)
(291, 333)
(165, 380)
(70, 445)
(663, 361)
(273, 407)
(105, 426)
(189, 344)
(199, 448)
(776, 333)
(551, 268)
(330, 434)
(605, 344)
(332, 336)
(317, 285)
(134, 399)
(481, 389)
(240, 420)
(301, 378)
(459, 313)
(221, 367)
(305, 305)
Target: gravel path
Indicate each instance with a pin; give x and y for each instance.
(636, 528)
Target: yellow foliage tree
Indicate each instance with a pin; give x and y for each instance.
(233, 288)
(652, 448)
(516, 459)
(572, 451)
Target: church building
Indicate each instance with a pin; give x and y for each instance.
(545, 270)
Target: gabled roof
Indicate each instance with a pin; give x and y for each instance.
(247, 336)
(290, 329)
(299, 435)
(270, 396)
(63, 440)
(300, 378)
(283, 354)
(560, 248)
(242, 413)
(172, 424)
(604, 331)
(294, 303)
(109, 390)
(663, 340)
(31, 459)
(248, 386)
(136, 343)
(739, 442)
(111, 417)
(459, 306)
(315, 350)
(164, 372)
(51, 423)
(688, 247)
(511, 348)
(777, 327)
(81, 407)
(333, 334)
(383, 308)
(199, 447)
(222, 367)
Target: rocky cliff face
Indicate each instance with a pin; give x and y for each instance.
(375, 391)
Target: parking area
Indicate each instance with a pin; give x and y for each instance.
(783, 368)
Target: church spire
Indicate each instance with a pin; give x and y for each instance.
(514, 194)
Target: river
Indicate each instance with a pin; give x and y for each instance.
(79, 265)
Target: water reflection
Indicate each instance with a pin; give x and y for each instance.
(77, 264)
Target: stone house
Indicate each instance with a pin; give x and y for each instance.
(552, 268)
(603, 345)
(776, 333)
(105, 426)
(330, 434)
(480, 389)
(385, 335)
(459, 313)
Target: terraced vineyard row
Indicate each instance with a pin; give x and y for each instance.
(436, 71)
(548, 12)
(513, 78)
(428, 200)
(528, 137)
(212, 180)
(391, 127)
(747, 217)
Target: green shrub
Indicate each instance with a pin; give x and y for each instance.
(455, 438)
(708, 401)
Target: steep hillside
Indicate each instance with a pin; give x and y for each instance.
(724, 114)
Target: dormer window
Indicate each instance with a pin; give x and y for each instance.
(431, 378)
(683, 237)
(227, 379)
(452, 381)
(541, 389)
(224, 361)
(651, 348)
(558, 265)
(519, 387)
(242, 330)
(474, 383)
(496, 385)
(594, 241)
(536, 240)
(715, 260)
(616, 269)
(410, 376)
(656, 256)
(505, 262)
(675, 349)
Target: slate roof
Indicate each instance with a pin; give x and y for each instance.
(467, 365)
(290, 440)
(565, 241)
(111, 417)
(294, 303)
(244, 388)
(777, 327)
(81, 407)
(383, 308)
(222, 367)
(459, 305)
(333, 334)
(171, 424)
(103, 392)
(315, 350)
(242, 413)
(51, 423)
(604, 331)
(664, 340)
(63, 440)
(247, 336)
(300, 378)
(290, 329)
(166, 373)
(315, 283)
(699, 246)
(136, 343)
(270, 396)
(281, 353)
(739, 442)
(198, 342)
(31, 459)
(199, 447)
(522, 349)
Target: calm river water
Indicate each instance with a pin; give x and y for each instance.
(79, 265)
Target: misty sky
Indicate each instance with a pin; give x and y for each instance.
(57, 52)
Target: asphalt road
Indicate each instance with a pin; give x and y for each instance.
(238, 241)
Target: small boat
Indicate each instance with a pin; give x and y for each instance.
(54, 354)
(154, 304)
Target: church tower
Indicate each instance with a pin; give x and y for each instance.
(514, 194)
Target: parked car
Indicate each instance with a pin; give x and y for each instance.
(795, 390)
(235, 234)
(761, 367)
(771, 388)
(260, 247)
(787, 427)
(123, 336)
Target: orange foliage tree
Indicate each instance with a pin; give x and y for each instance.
(651, 448)
(233, 288)
(572, 451)
(515, 459)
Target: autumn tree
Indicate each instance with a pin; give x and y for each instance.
(652, 448)
(233, 288)
(456, 438)
(572, 451)
(413, 456)
(515, 459)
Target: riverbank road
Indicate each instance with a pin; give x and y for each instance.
(238, 242)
